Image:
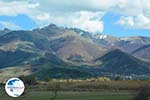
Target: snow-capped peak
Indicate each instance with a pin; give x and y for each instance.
(102, 36)
(81, 33)
(124, 39)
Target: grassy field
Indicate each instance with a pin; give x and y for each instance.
(82, 90)
(45, 95)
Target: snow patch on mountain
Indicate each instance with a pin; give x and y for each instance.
(103, 36)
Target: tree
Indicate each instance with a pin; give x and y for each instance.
(144, 94)
(118, 78)
(55, 90)
(28, 80)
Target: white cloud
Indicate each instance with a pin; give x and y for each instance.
(14, 8)
(74, 5)
(126, 21)
(135, 22)
(10, 25)
(88, 21)
(135, 14)
(82, 14)
(44, 16)
(67, 13)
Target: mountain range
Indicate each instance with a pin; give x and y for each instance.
(58, 52)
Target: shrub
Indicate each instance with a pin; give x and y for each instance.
(144, 94)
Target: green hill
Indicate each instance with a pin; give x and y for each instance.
(120, 62)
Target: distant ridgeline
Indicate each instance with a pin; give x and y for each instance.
(57, 52)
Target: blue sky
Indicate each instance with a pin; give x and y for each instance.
(21, 21)
(114, 17)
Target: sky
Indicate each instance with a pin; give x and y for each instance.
(113, 17)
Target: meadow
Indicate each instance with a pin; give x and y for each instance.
(46, 95)
(80, 90)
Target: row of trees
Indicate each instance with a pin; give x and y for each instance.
(28, 80)
(143, 94)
